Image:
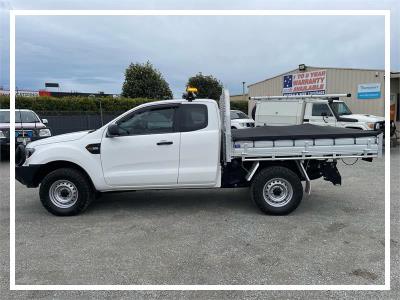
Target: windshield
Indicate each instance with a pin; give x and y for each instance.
(238, 115)
(341, 108)
(20, 116)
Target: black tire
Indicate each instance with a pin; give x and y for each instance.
(5, 154)
(75, 182)
(281, 181)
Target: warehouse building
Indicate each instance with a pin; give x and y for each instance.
(366, 87)
(239, 97)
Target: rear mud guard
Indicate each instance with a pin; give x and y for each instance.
(331, 173)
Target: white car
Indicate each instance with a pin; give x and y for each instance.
(240, 120)
(28, 127)
(179, 144)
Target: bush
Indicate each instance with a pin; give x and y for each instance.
(77, 104)
(208, 86)
(143, 80)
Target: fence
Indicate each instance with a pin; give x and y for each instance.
(66, 122)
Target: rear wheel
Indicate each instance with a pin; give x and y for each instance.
(66, 192)
(277, 190)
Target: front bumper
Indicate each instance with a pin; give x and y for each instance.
(27, 174)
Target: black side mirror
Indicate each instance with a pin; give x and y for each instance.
(324, 114)
(113, 130)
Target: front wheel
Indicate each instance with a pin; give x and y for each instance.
(66, 192)
(277, 190)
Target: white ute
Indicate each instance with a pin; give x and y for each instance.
(323, 110)
(177, 144)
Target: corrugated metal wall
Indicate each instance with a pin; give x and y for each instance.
(239, 97)
(338, 81)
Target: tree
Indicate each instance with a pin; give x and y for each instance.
(145, 81)
(207, 85)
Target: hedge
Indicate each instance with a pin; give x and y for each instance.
(85, 104)
(79, 104)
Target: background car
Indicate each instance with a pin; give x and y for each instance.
(28, 127)
(240, 120)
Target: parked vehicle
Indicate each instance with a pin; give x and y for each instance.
(28, 127)
(240, 120)
(183, 143)
(323, 110)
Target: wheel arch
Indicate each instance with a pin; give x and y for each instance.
(58, 164)
(289, 164)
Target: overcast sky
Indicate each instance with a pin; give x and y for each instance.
(90, 54)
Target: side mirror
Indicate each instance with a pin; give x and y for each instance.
(45, 121)
(113, 130)
(324, 114)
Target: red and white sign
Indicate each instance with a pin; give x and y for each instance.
(305, 83)
(24, 93)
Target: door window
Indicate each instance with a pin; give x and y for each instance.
(193, 117)
(152, 121)
(320, 109)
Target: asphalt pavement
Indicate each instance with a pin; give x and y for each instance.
(336, 236)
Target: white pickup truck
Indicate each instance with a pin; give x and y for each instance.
(323, 110)
(176, 144)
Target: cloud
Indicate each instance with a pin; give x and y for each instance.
(91, 53)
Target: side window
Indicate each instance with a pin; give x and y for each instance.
(193, 117)
(319, 109)
(152, 121)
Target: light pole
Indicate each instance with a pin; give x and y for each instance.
(244, 82)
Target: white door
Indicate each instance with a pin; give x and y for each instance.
(200, 145)
(319, 114)
(146, 153)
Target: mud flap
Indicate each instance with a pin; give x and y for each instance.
(331, 173)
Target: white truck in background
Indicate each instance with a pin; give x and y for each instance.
(323, 110)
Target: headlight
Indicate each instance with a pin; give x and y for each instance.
(29, 152)
(378, 126)
(2, 135)
(44, 132)
(371, 125)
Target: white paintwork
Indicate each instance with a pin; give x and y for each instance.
(279, 112)
(67, 137)
(318, 120)
(200, 153)
(137, 160)
(291, 111)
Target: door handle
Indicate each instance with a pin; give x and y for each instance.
(160, 143)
